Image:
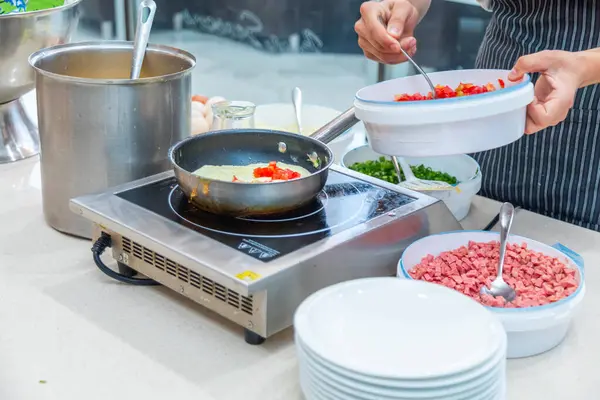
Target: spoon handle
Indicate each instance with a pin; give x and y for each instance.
(408, 174)
(420, 70)
(142, 34)
(507, 212)
(397, 168)
(297, 100)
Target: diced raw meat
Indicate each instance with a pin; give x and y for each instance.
(537, 278)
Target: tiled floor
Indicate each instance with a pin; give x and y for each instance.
(239, 72)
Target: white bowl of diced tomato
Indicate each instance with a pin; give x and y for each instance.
(475, 110)
(549, 282)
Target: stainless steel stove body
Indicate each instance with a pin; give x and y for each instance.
(255, 272)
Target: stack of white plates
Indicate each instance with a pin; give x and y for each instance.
(387, 338)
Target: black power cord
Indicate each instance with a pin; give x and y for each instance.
(104, 242)
(492, 223)
(495, 220)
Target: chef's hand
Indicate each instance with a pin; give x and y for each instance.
(385, 26)
(560, 77)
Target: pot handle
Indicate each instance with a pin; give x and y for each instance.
(336, 127)
(577, 259)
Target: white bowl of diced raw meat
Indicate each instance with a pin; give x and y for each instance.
(549, 281)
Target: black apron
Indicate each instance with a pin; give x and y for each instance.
(555, 172)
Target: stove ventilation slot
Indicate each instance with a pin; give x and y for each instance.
(206, 285)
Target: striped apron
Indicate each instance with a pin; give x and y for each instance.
(555, 172)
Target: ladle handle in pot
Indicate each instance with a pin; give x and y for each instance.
(142, 35)
(336, 127)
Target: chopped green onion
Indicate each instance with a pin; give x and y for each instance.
(384, 169)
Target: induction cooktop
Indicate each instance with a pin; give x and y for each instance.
(343, 203)
(256, 271)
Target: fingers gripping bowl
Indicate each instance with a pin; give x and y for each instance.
(531, 330)
(459, 125)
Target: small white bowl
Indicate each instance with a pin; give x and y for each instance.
(463, 167)
(532, 330)
(282, 117)
(459, 125)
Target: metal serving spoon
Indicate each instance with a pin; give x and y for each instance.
(409, 58)
(297, 100)
(498, 286)
(411, 181)
(146, 11)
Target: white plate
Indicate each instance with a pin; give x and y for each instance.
(460, 390)
(386, 328)
(319, 389)
(310, 391)
(461, 125)
(281, 116)
(329, 387)
(453, 384)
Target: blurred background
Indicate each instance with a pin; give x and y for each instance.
(257, 50)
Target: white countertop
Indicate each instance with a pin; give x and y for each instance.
(68, 332)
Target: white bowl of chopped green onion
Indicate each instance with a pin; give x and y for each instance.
(458, 170)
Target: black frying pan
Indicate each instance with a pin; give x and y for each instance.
(243, 147)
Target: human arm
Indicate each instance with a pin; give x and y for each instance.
(591, 65)
(386, 25)
(561, 74)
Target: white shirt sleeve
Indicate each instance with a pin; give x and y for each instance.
(486, 4)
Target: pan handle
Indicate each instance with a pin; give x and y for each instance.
(336, 127)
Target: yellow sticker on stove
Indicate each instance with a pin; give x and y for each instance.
(248, 276)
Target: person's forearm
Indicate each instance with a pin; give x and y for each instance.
(590, 60)
(422, 6)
